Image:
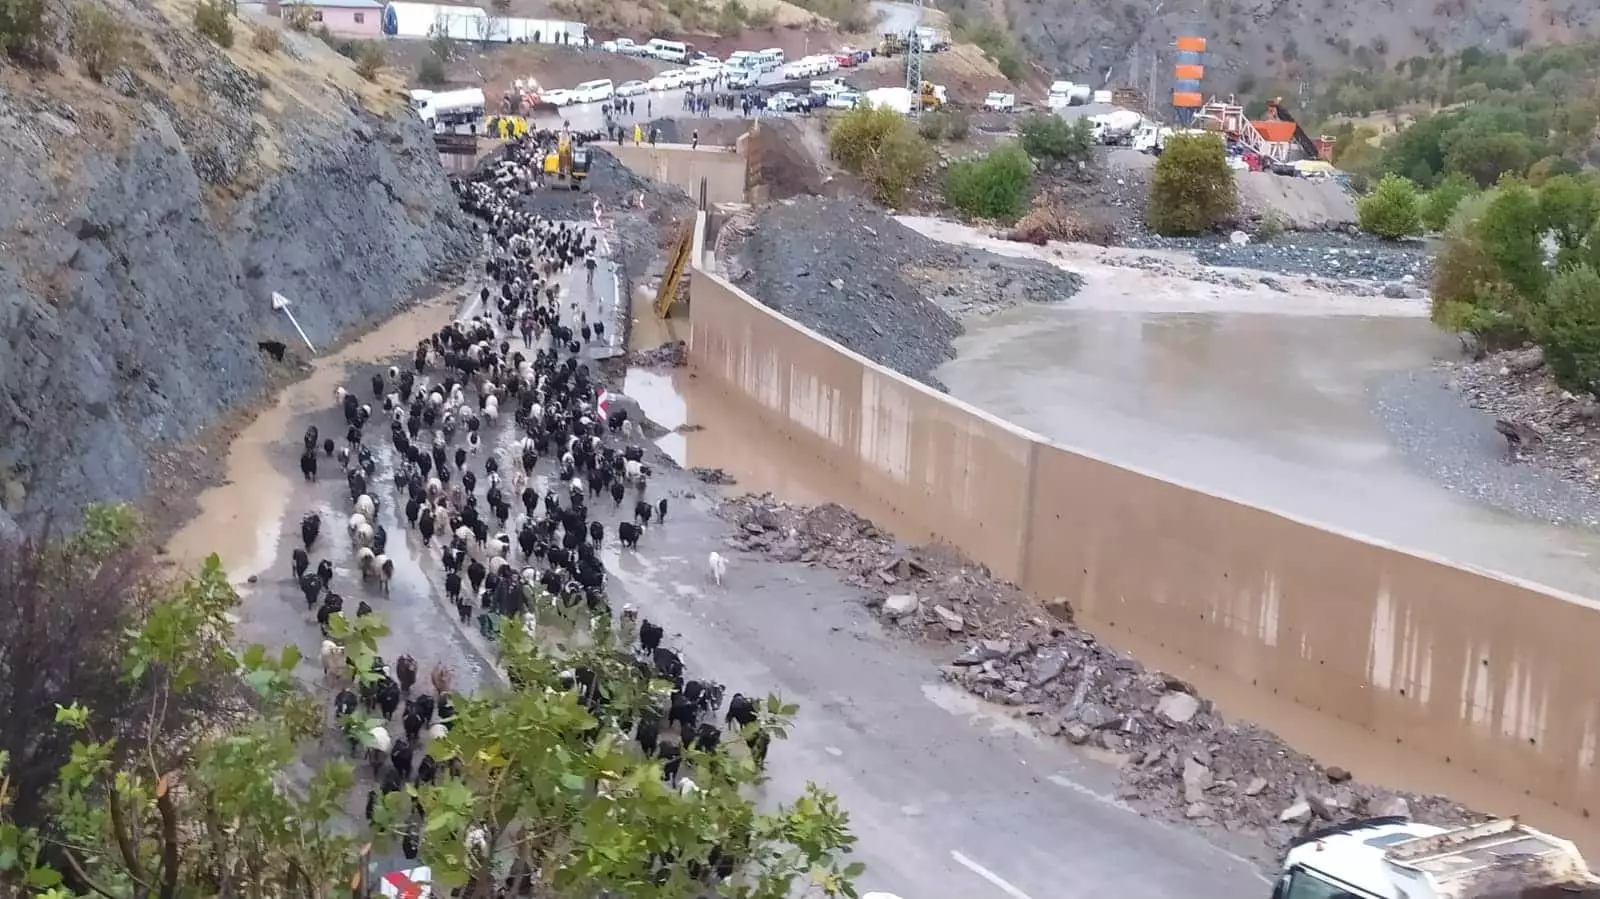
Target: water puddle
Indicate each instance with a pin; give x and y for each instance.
(241, 519)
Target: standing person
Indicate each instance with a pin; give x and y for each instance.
(589, 264)
(638, 135)
(694, 140)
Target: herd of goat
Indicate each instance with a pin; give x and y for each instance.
(462, 493)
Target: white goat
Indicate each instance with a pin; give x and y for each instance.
(363, 535)
(333, 659)
(356, 522)
(718, 566)
(365, 558)
(366, 508)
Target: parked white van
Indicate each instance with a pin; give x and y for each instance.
(597, 91)
(771, 58)
(744, 59)
(671, 51)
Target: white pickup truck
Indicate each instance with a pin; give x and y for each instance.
(1000, 101)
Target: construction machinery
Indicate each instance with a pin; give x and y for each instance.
(891, 44)
(677, 267)
(1397, 858)
(566, 164)
(933, 95)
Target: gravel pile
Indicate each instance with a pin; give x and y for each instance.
(1335, 256)
(1183, 761)
(668, 355)
(859, 277)
(1452, 421)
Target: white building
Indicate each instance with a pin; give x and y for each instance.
(405, 19)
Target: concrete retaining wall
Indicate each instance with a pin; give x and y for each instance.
(1498, 681)
(683, 167)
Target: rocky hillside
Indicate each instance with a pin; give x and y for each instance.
(1259, 46)
(151, 213)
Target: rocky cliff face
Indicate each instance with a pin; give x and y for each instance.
(148, 221)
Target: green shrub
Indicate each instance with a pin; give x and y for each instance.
(299, 17)
(1192, 189)
(214, 19)
(1568, 327)
(879, 145)
(97, 39)
(430, 70)
(1271, 225)
(1052, 139)
(994, 187)
(24, 27)
(1391, 211)
(370, 59)
(1441, 202)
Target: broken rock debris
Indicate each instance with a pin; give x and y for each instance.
(1180, 758)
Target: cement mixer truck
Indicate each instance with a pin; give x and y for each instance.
(1396, 858)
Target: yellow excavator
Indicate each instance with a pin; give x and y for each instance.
(933, 95)
(567, 163)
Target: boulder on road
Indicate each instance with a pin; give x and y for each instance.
(1389, 807)
(1298, 813)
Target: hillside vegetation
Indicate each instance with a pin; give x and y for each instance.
(1263, 48)
(1533, 114)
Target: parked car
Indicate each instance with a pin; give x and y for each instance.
(622, 45)
(783, 101)
(844, 100)
(559, 96)
(597, 91)
(670, 80)
(631, 88)
(1000, 101)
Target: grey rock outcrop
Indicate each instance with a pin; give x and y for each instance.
(148, 224)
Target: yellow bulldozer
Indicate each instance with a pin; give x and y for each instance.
(891, 44)
(567, 164)
(933, 95)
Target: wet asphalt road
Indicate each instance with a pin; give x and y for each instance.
(948, 799)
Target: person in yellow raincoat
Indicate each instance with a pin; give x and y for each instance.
(638, 135)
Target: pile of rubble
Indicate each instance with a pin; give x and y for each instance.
(1180, 759)
(667, 355)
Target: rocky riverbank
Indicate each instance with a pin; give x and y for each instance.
(1179, 757)
(1330, 256)
(856, 275)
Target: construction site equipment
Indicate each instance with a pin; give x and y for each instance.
(933, 95)
(667, 292)
(578, 166)
(1391, 858)
(891, 44)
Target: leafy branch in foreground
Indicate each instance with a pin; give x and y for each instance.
(539, 782)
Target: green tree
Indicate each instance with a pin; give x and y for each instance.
(370, 59)
(1568, 328)
(994, 187)
(1569, 205)
(1053, 140)
(1512, 230)
(1192, 189)
(880, 146)
(529, 775)
(1486, 156)
(1441, 202)
(1391, 211)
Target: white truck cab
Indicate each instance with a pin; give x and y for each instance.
(1396, 858)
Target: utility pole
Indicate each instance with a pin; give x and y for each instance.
(914, 60)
